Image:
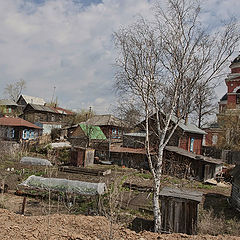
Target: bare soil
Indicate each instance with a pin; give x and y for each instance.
(70, 227)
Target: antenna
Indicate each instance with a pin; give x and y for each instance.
(54, 88)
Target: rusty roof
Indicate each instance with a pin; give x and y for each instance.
(16, 122)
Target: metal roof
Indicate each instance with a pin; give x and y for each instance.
(16, 122)
(188, 127)
(192, 155)
(41, 108)
(181, 193)
(33, 100)
(94, 132)
(7, 102)
(106, 120)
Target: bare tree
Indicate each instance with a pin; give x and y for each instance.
(14, 90)
(160, 63)
(204, 103)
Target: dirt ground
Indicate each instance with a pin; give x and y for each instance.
(69, 227)
(46, 219)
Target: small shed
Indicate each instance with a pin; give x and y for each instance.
(179, 210)
(82, 157)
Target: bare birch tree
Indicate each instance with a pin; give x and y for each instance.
(160, 62)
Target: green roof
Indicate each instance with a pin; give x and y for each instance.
(94, 132)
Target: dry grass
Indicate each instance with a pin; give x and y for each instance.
(215, 225)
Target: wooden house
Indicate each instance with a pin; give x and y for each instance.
(179, 210)
(46, 117)
(111, 126)
(85, 135)
(18, 129)
(235, 193)
(187, 136)
(8, 107)
(40, 113)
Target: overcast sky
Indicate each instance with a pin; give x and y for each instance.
(68, 44)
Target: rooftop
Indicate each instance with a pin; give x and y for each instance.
(192, 155)
(7, 102)
(94, 132)
(16, 122)
(106, 120)
(181, 193)
(34, 100)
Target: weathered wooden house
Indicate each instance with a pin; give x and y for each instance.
(17, 129)
(235, 193)
(187, 136)
(8, 107)
(46, 117)
(179, 210)
(112, 127)
(84, 135)
(40, 113)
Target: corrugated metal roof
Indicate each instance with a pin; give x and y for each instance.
(94, 132)
(106, 120)
(33, 100)
(16, 122)
(181, 193)
(7, 102)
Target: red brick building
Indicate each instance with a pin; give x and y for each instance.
(231, 100)
(229, 106)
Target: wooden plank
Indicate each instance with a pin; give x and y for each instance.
(86, 171)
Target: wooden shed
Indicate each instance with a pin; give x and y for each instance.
(179, 210)
(82, 157)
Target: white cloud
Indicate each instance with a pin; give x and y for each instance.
(58, 43)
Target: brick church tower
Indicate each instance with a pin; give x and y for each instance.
(231, 100)
(229, 108)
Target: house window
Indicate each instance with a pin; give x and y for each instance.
(204, 140)
(24, 135)
(214, 139)
(10, 133)
(191, 144)
(114, 133)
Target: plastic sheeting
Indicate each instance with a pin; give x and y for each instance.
(64, 185)
(35, 161)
